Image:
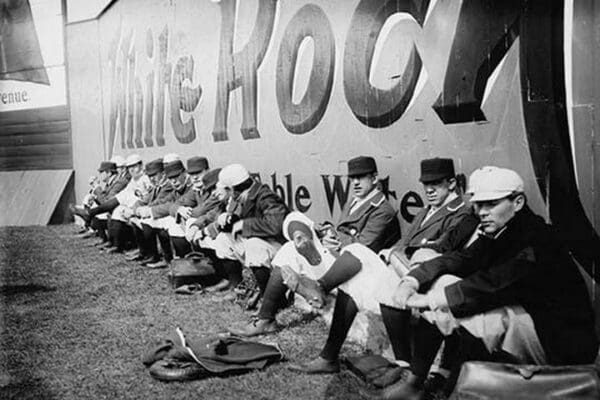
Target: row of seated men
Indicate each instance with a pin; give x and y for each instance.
(478, 272)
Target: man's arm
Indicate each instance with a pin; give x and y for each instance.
(270, 224)
(490, 288)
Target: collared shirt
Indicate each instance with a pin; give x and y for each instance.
(432, 210)
(356, 202)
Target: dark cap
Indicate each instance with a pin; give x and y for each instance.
(210, 178)
(174, 169)
(434, 169)
(196, 165)
(361, 165)
(107, 166)
(154, 167)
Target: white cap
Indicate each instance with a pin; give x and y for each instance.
(118, 160)
(493, 183)
(170, 158)
(233, 175)
(133, 159)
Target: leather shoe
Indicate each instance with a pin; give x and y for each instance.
(256, 327)
(158, 264)
(409, 389)
(135, 257)
(113, 250)
(147, 260)
(223, 284)
(317, 366)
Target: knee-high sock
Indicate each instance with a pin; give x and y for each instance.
(165, 244)
(138, 234)
(397, 325)
(344, 268)
(427, 340)
(274, 296)
(343, 315)
(262, 277)
(181, 246)
(232, 270)
(107, 206)
(451, 351)
(100, 226)
(150, 241)
(116, 230)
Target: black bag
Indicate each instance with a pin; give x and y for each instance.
(193, 268)
(486, 380)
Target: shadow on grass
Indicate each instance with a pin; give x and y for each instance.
(10, 290)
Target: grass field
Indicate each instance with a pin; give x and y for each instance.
(75, 322)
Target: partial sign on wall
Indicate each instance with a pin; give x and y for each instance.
(32, 72)
(293, 89)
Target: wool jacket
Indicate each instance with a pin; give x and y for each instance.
(432, 233)
(115, 184)
(160, 194)
(208, 211)
(263, 213)
(373, 224)
(170, 208)
(525, 265)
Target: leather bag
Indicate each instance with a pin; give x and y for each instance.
(195, 267)
(487, 380)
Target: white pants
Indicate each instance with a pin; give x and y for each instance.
(252, 252)
(509, 328)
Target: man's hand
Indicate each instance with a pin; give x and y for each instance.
(222, 219)
(405, 291)
(385, 255)
(418, 301)
(127, 213)
(143, 212)
(237, 228)
(185, 212)
(290, 277)
(191, 232)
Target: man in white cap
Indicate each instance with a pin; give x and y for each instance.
(514, 295)
(251, 231)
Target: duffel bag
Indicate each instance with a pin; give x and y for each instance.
(487, 380)
(195, 267)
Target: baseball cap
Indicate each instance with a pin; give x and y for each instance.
(493, 183)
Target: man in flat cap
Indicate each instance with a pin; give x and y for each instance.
(368, 219)
(516, 279)
(161, 193)
(165, 220)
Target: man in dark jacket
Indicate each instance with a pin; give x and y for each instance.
(250, 231)
(516, 294)
(161, 193)
(164, 220)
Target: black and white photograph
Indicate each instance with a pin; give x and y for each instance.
(300, 199)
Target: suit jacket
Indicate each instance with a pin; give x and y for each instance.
(438, 226)
(114, 186)
(170, 208)
(263, 213)
(525, 265)
(373, 224)
(163, 193)
(208, 211)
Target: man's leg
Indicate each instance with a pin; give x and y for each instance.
(181, 246)
(165, 244)
(273, 300)
(426, 342)
(344, 312)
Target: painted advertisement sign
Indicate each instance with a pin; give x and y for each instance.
(32, 72)
(293, 89)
